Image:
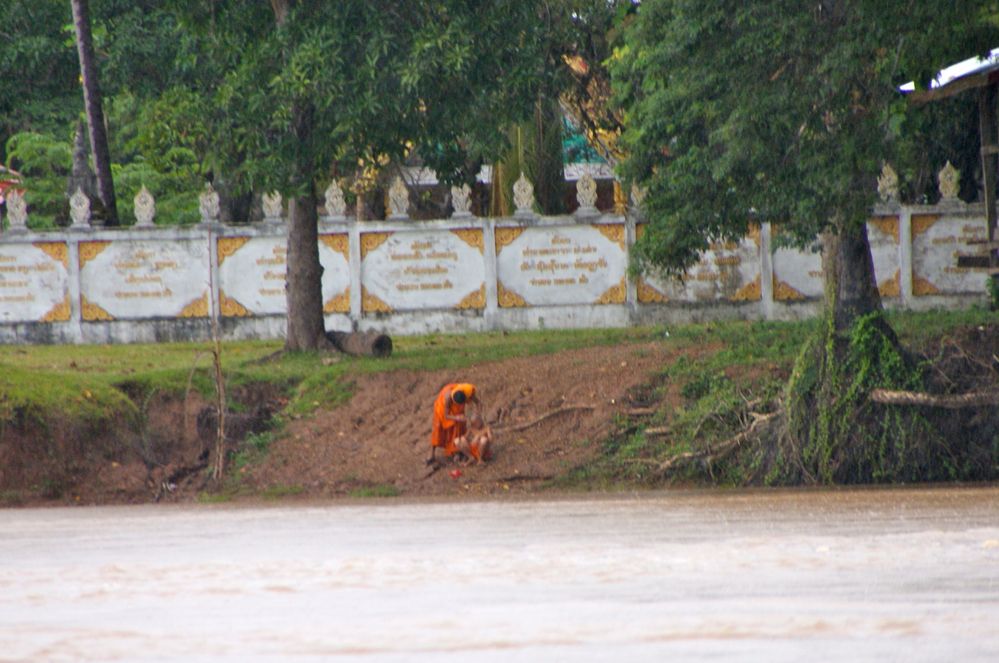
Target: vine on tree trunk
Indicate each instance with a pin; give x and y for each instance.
(835, 433)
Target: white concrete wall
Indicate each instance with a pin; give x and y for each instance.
(451, 275)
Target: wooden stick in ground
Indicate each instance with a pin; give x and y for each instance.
(220, 404)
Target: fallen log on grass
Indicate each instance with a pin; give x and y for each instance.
(361, 344)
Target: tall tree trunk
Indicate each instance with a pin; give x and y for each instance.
(81, 175)
(303, 281)
(306, 326)
(834, 432)
(94, 110)
(848, 269)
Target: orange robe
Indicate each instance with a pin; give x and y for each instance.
(445, 431)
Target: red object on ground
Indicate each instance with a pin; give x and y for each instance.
(455, 474)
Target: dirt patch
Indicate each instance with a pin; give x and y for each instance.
(160, 452)
(549, 415)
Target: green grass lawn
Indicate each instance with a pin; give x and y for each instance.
(96, 381)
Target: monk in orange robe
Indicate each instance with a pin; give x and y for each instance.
(476, 444)
(449, 422)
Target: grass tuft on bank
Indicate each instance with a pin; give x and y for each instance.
(95, 382)
(706, 401)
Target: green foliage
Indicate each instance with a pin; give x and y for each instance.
(142, 48)
(342, 81)
(44, 162)
(172, 133)
(38, 69)
(776, 111)
(536, 152)
(937, 133)
(319, 390)
(142, 51)
(176, 195)
(702, 385)
(758, 354)
(161, 144)
(917, 327)
(838, 434)
(253, 448)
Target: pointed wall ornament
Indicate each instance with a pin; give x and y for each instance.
(273, 207)
(586, 195)
(523, 197)
(336, 206)
(888, 184)
(145, 208)
(208, 204)
(461, 200)
(398, 196)
(949, 180)
(17, 211)
(79, 209)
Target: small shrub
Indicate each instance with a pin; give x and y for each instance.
(702, 385)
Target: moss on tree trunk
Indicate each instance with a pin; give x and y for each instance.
(835, 433)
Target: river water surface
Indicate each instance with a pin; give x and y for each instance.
(864, 575)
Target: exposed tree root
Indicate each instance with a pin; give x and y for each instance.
(949, 401)
(642, 411)
(547, 415)
(716, 452)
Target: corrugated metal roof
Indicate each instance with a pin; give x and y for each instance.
(959, 71)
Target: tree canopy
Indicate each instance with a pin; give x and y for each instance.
(738, 112)
(375, 80)
(741, 112)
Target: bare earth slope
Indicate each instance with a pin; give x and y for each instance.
(549, 414)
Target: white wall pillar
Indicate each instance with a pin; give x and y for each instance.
(766, 272)
(354, 244)
(905, 255)
(489, 256)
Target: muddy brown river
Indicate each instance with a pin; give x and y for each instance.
(844, 575)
